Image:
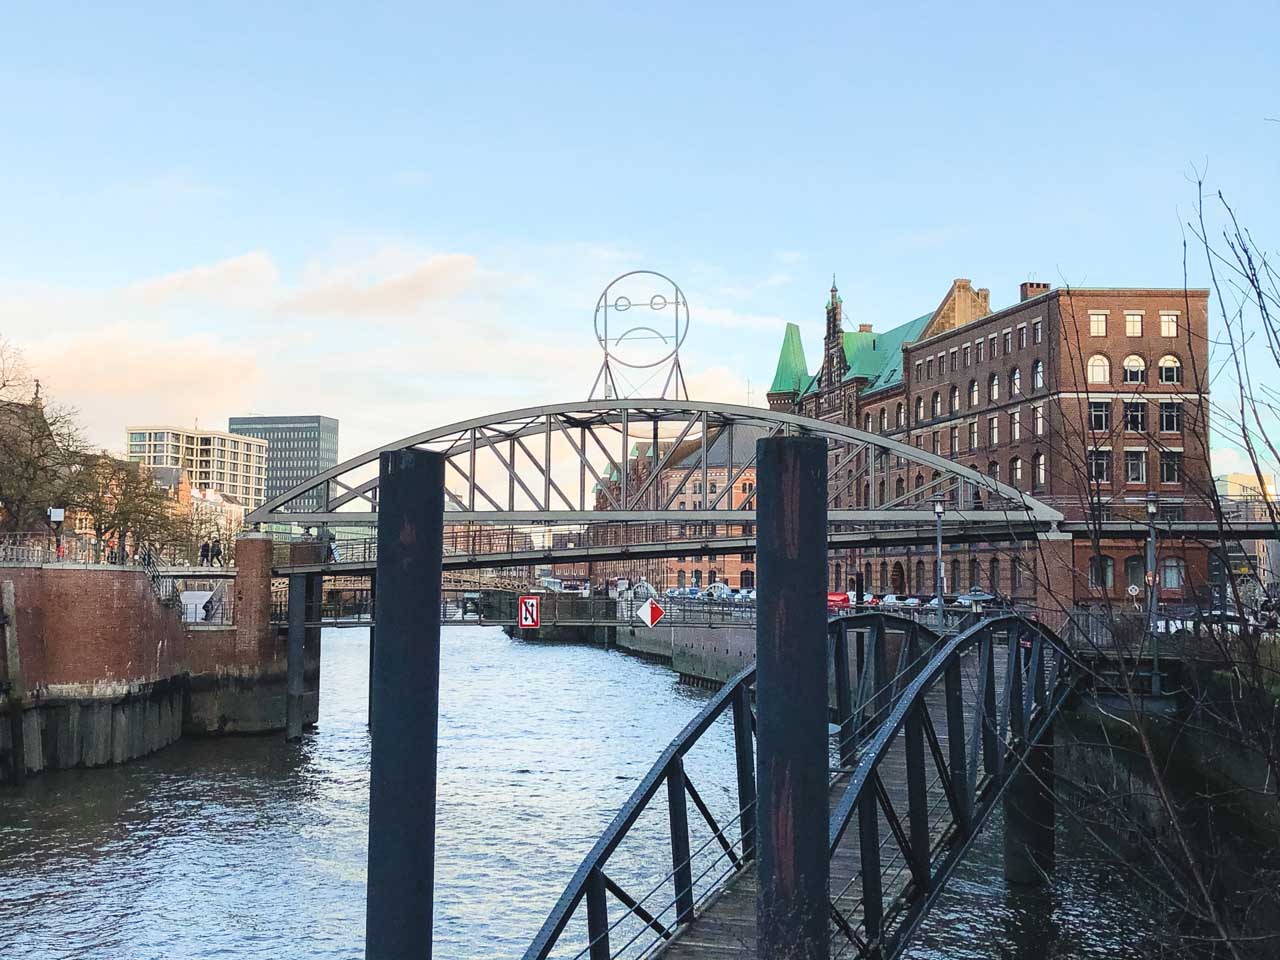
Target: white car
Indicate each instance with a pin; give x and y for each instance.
(911, 602)
(891, 600)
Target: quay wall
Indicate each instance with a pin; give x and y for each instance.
(100, 671)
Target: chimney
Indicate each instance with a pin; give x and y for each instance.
(1032, 288)
(864, 328)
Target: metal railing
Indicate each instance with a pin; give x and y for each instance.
(212, 612)
(660, 903)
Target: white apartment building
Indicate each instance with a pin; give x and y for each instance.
(214, 460)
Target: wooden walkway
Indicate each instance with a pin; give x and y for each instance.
(726, 926)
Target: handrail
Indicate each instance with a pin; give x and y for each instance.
(636, 804)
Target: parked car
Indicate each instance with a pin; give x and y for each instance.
(911, 602)
(890, 600)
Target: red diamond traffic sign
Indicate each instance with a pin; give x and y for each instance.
(651, 612)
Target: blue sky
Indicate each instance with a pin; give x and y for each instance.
(397, 216)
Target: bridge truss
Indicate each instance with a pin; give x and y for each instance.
(930, 731)
(660, 462)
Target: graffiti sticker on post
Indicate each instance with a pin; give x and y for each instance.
(529, 613)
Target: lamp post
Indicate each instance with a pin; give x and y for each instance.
(1153, 591)
(939, 508)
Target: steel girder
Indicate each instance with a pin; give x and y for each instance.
(575, 463)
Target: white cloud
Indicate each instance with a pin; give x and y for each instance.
(244, 281)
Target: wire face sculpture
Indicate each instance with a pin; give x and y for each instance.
(641, 321)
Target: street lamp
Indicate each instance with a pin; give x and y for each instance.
(1153, 591)
(939, 508)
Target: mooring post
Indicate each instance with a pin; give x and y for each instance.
(373, 627)
(791, 693)
(16, 691)
(405, 699)
(296, 654)
(1028, 802)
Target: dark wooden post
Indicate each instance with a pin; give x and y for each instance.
(792, 906)
(296, 656)
(406, 701)
(373, 628)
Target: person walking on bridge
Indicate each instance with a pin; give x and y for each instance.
(204, 554)
(215, 553)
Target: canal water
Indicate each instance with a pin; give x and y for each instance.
(251, 848)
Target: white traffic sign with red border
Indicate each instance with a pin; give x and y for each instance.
(530, 612)
(651, 612)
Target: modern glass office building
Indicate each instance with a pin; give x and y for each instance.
(297, 448)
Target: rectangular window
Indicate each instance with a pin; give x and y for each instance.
(919, 370)
(1170, 466)
(993, 430)
(1135, 466)
(928, 369)
(1037, 331)
(1168, 323)
(1133, 323)
(1037, 420)
(1099, 415)
(966, 356)
(1100, 466)
(1135, 417)
(1006, 342)
(955, 361)
(1097, 323)
(936, 440)
(954, 438)
(1022, 336)
(973, 435)
(991, 347)
(1015, 425)
(1172, 513)
(977, 347)
(1171, 418)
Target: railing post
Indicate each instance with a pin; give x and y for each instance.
(16, 687)
(373, 629)
(869, 866)
(682, 869)
(297, 614)
(792, 907)
(917, 797)
(962, 798)
(597, 916)
(844, 696)
(745, 756)
(406, 701)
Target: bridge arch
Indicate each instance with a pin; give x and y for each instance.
(655, 461)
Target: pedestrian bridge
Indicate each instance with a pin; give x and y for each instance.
(928, 733)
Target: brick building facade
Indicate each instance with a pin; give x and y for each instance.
(1086, 399)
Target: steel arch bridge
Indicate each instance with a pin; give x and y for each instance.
(659, 461)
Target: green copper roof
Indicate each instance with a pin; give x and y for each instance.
(877, 357)
(792, 373)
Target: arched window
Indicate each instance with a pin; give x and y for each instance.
(1015, 382)
(880, 492)
(899, 487)
(884, 419)
(900, 414)
(1135, 571)
(1173, 573)
(711, 577)
(1170, 369)
(1099, 369)
(993, 574)
(993, 470)
(1102, 573)
(680, 579)
(1015, 574)
(1015, 471)
(919, 480)
(1038, 468)
(936, 405)
(993, 388)
(866, 577)
(973, 393)
(839, 575)
(1135, 369)
(975, 573)
(919, 576)
(866, 423)
(697, 578)
(955, 399)
(919, 409)
(1037, 375)
(954, 585)
(748, 579)
(884, 574)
